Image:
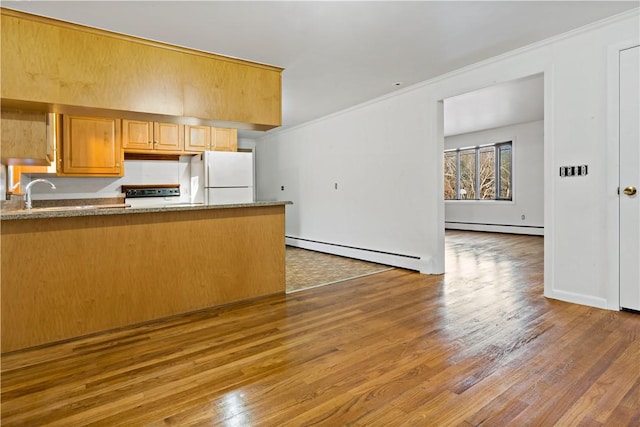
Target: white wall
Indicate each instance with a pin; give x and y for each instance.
(135, 172)
(528, 184)
(376, 156)
(386, 156)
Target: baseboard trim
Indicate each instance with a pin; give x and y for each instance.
(533, 230)
(576, 298)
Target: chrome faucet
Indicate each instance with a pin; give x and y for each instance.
(27, 191)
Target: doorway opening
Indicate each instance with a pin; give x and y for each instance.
(494, 158)
(494, 168)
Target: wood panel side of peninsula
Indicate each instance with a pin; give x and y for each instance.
(72, 276)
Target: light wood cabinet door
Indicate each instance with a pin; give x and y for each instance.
(137, 134)
(90, 146)
(197, 138)
(224, 139)
(168, 136)
(201, 138)
(26, 138)
(143, 136)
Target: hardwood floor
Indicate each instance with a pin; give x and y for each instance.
(478, 345)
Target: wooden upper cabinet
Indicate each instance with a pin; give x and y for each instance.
(137, 135)
(90, 146)
(201, 138)
(27, 137)
(53, 62)
(142, 136)
(50, 62)
(197, 138)
(29, 59)
(224, 139)
(232, 92)
(168, 136)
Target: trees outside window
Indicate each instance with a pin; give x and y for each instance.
(478, 173)
(450, 175)
(467, 174)
(487, 175)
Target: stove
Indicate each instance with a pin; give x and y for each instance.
(151, 195)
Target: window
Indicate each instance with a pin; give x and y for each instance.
(478, 173)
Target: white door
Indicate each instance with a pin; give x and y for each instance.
(630, 178)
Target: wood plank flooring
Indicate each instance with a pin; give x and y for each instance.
(478, 345)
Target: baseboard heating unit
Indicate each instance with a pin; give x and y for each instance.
(534, 230)
(410, 262)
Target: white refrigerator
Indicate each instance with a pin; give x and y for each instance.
(222, 177)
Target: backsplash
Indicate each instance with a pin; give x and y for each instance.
(136, 172)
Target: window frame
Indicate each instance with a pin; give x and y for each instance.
(497, 168)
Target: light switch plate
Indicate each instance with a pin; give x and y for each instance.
(580, 170)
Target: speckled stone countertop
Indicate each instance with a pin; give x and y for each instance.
(94, 210)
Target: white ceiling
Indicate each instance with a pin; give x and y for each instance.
(517, 101)
(339, 54)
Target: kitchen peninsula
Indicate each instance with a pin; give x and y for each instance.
(72, 272)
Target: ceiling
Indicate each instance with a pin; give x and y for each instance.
(504, 104)
(338, 54)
